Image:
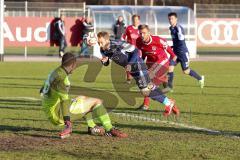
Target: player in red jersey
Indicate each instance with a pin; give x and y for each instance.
(131, 34)
(156, 50)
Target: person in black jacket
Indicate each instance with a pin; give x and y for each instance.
(119, 28)
(87, 28)
(60, 30)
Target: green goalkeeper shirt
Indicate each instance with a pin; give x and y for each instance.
(55, 95)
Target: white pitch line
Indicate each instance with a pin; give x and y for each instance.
(210, 131)
(22, 98)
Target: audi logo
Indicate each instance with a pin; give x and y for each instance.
(216, 31)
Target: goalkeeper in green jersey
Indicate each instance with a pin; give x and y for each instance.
(60, 109)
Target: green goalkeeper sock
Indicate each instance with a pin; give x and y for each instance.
(101, 114)
(89, 120)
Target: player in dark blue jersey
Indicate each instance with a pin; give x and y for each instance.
(127, 56)
(181, 50)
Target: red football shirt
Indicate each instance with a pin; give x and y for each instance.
(131, 34)
(155, 50)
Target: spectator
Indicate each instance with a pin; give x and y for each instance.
(87, 28)
(61, 34)
(119, 28)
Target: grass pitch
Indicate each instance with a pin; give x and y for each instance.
(25, 132)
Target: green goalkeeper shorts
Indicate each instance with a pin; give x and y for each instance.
(80, 106)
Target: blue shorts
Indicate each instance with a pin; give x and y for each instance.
(183, 59)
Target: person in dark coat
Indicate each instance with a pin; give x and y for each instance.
(119, 28)
(61, 34)
(87, 28)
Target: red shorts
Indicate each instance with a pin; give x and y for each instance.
(158, 73)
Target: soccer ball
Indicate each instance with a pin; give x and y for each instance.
(92, 39)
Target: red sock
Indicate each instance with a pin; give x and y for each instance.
(146, 101)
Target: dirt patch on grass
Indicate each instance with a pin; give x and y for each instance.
(23, 142)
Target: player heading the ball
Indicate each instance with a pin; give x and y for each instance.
(127, 56)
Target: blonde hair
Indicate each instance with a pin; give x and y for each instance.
(103, 34)
(143, 26)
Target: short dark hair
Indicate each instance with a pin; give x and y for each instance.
(143, 26)
(68, 59)
(135, 15)
(172, 14)
(103, 34)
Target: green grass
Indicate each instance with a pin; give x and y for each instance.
(38, 50)
(225, 51)
(76, 49)
(25, 132)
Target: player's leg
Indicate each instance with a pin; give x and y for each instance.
(128, 77)
(93, 128)
(158, 75)
(92, 109)
(65, 44)
(61, 46)
(82, 107)
(74, 111)
(140, 74)
(99, 112)
(156, 94)
(51, 107)
(171, 74)
(184, 60)
(66, 132)
(145, 105)
(194, 74)
(64, 110)
(57, 114)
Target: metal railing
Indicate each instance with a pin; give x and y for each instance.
(46, 9)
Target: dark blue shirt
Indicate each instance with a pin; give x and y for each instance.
(179, 45)
(121, 53)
